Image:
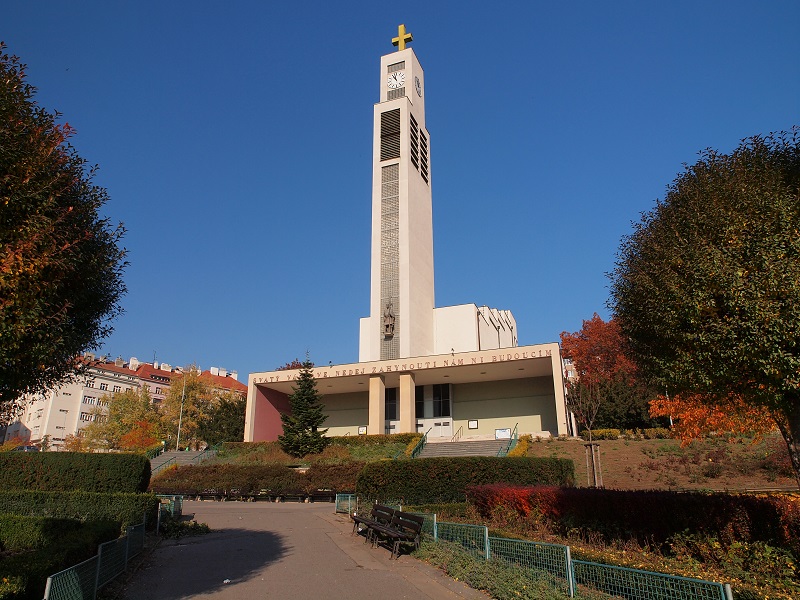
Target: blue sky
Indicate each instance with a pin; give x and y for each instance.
(235, 142)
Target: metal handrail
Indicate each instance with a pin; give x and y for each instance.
(512, 442)
(163, 465)
(154, 451)
(204, 454)
(421, 444)
(458, 434)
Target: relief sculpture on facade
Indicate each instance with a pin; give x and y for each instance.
(388, 321)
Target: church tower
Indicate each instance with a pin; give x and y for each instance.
(401, 321)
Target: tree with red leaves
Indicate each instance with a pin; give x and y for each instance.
(606, 392)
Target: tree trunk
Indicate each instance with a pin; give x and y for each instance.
(790, 429)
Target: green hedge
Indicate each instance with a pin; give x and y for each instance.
(249, 480)
(648, 516)
(126, 509)
(67, 471)
(375, 440)
(23, 574)
(434, 480)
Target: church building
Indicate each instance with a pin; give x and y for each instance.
(454, 371)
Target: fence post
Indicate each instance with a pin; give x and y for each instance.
(127, 545)
(435, 529)
(486, 543)
(728, 592)
(97, 571)
(570, 574)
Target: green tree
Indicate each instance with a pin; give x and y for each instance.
(707, 286)
(60, 264)
(187, 403)
(224, 421)
(125, 413)
(301, 427)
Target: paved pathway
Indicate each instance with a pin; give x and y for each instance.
(283, 550)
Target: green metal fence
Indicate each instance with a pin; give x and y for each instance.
(473, 538)
(633, 584)
(429, 524)
(76, 583)
(346, 503)
(82, 581)
(550, 558)
(554, 561)
(171, 504)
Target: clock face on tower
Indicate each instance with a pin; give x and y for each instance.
(396, 80)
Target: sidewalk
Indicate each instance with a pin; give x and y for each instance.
(283, 550)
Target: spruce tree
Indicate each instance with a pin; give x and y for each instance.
(301, 427)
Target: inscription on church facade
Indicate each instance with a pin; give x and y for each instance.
(412, 366)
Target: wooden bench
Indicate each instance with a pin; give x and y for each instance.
(404, 528)
(392, 525)
(379, 515)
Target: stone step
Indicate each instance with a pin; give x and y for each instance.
(181, 458)
(463, 448)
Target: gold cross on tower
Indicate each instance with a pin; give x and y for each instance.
(402, 38)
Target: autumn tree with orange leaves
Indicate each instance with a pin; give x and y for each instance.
(60, 265)
(695, 417)
(607, 392)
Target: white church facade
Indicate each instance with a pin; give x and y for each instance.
(448, 370)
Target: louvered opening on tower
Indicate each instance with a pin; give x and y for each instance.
(390, 134)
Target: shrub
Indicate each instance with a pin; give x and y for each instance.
(376, 440)
(20, 533)
(436, 480)
(601, 434)
(74, 471)
(249, 480)
(126, 509)
(521, 449)
(24, 575)
(657, 433)
(649, 516)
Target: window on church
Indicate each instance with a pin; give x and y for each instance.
(441, 400)
(398, 66)
(391, 404)
(419, 402)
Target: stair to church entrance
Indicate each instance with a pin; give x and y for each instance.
(180, 458)
(463, 448)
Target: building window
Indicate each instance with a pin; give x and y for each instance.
(391, 404)
(90, 384)
(158, 390)
(117, 388)
(104, 387)
(86, 416)
(89, 400)
(441, 400)
(419, 402)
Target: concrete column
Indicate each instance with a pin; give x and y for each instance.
(407, 420)
(377, 406)
(558, 390)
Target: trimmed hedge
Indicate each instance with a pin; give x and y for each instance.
(649, 516)
(67, 471)
(20, 533)
(376, 440)
(436, 480)
(249, 480)
(23, 575)
(126, 509)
